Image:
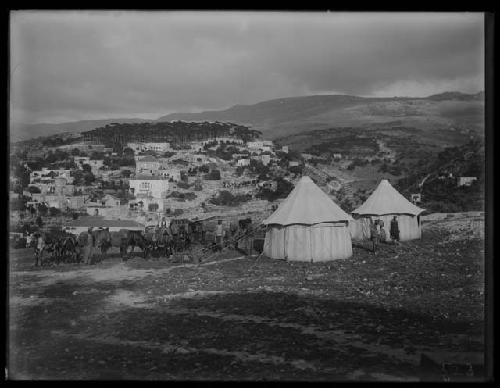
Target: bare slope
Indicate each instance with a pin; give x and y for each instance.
(288, 116)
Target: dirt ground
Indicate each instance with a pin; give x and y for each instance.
(236, 318)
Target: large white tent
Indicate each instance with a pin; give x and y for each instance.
(308, 226)
(383, 204)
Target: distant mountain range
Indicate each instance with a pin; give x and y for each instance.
(291, 115)
(20, 132)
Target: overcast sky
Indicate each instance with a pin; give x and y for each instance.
(79, 65)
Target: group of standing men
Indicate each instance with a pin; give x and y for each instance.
(378, 233)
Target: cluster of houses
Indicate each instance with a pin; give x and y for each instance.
(159, 167)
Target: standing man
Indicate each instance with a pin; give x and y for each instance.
(395, 230)
(39, 248)
(219, 234)
(383, 234)
(374, 235)
(203, 231)
(89, 246)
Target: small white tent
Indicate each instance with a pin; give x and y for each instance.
(308, 226)
(383, 204)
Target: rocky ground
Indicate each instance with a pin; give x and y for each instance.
(237, 318)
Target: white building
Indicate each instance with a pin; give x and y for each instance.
(416, 198)
(229, 140)
(466, 180)
(46, 174)
(146, 165)
(95, 165)
(284, 149)
(75, 202)
(156, 147)
(81, 160)
(243, 162)
(266, 159)
(155, 187)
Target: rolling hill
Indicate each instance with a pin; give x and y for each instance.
(287, 116)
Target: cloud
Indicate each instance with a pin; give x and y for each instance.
(82, 64)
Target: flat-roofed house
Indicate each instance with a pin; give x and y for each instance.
(149, 190)
(466, 180)
(243, 162)
(95, 166)
(146, 165)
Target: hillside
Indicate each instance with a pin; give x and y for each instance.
(288, 116)
(440, 193)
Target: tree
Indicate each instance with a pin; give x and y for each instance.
(39, 221)
(153, 207)
(204, 169)
(225, 198)
(22, 174)
(213, 175)
(240, 170)
(96, 155)
(88, 178)
(128, 153)
(86, 167)
(53, 212)
(75, 152)
(43, 209)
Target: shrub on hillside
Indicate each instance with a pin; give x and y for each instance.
(213, 175)
(225, 198)
(183, 185)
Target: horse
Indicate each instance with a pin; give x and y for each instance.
(70, 249)
(132, 239)
(162, 243)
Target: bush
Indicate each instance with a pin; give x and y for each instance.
(178, 212)
(34, 190)
(182, 196)
(283, 188)
(43, 209)
(39, 221)
(204, 169)
(183, 185)
(213, 175)
(53, 212)
(153, 207)
(225, 198)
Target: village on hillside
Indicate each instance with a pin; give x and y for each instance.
(89, 182)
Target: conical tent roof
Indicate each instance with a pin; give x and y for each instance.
(307, 204)
(387, 200)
